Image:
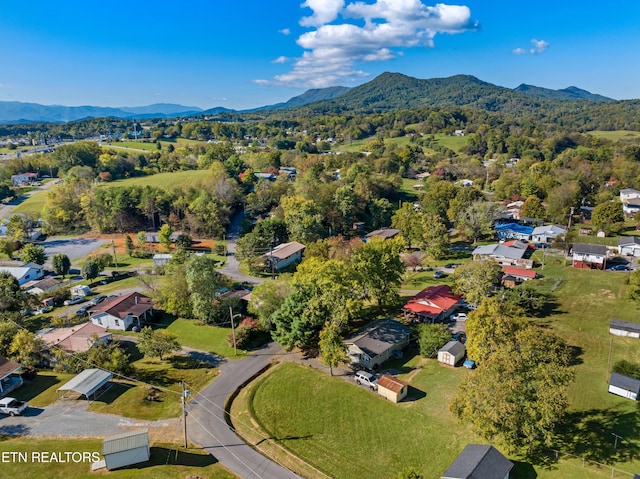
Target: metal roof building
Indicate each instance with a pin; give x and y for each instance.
(88, 382)
(126, 449)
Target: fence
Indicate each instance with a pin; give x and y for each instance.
(605, 470)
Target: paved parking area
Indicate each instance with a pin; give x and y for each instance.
(72, 247)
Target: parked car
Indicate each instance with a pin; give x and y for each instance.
(439, 274)
(459, 336)
(74, 300)
(82, 311)
(367, 379)
(620, 267)
(469, 364)
(459, 317)
(97, 299)
(12, 407)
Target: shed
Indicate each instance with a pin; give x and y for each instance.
(88, 383)
(451, 353)
(624, 328)
(392, 388)
(479, 461)
(624, 386)
(161, 259)
(126, 449)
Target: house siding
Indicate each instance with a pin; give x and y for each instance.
(623, 392)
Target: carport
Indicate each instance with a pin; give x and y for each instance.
(90, 382)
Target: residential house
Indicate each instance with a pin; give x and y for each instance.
(10, 377)
(284, 255)
(392, 388)
(422, 176)
(375, 343)
(546, 234)
(624, 328)
(154, 237)
(515, 255)
(383, 233)
(123, 312)
(466, 182)
(45, 285)
(521, 274)
(74, 339)
(630, 199)
(624, 386)
(479, 461)
(25, 273)
(589, 256)
(629, 246)
(517, 231)
(451, 353)
(23, 179)
(432, 304)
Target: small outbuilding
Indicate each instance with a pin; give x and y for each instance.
(126, 449)
(89, 383)
(80, 290)
(624, 328)
(451, 353)
(392, 388)
(624, 386)
(479, 461)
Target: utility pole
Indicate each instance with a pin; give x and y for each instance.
(609, 359)
(184, 414)
(115, 258)
(615, 442)
(233, 332)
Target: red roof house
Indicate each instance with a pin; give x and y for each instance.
(123, 312)
(522, 274)
(432, 304)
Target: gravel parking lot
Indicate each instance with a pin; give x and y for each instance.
(72, 247)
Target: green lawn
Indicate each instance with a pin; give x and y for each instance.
(616, 135)
(167, 461)
(197, 335)
(41, 391)
(168, 181)
(32, 204)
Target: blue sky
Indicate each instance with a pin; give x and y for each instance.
(248, 53)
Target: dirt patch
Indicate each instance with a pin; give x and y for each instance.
(119, 240)
(604, 293)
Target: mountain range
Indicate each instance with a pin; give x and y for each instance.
(386, 92)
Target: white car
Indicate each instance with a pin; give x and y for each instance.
(459, 317)
(74, 300)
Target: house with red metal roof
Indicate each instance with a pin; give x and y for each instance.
(123, 312)
(432, 304)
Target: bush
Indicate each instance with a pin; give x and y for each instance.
(627, 368)
(249, 335)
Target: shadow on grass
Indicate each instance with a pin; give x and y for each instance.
(166, 321)
(187, 362)
(523, 470)
(114, 392)
(35, 387)
(284, 438)
(590, 434)
(162, 456)
(155, 377)
(131, 348)
(414, 394)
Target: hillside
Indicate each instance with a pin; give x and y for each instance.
(569, 93)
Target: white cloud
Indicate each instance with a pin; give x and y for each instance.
(280, 59)
(343, 36)
(539, 46)
(285, 31)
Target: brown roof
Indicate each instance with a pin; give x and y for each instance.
(75, 339)
(391, 383)
(384, 233)
(7, 367)
(134, 303)
(285, 250)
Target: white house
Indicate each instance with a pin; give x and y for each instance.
(479, 461)
(123, 312)
(630, 199)
(376, 342)
(624, 386)
(23, 178)
(624, 328)
(284, 255)
(451, 353)
(589, 256)
(25, 273)
(546, 234)
(629, 246)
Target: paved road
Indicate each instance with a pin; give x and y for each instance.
(231, 264)
(208, 428)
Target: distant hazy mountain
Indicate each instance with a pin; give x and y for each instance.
(310, 96)
(15, 111)
(569, 93)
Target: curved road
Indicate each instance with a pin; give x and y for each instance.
(208, 428)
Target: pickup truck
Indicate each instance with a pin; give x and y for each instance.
(12, 406)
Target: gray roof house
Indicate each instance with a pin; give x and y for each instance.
(479, 461)
(383, 233)
(589, 256)
(629, 246)
(504, 255)
(545, 234)
(624, 328)
(375, 343)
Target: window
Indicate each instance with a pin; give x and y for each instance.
(117, 322)
(100, 321)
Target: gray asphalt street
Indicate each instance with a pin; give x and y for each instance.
(208, 428)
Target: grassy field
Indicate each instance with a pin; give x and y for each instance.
(616, 135)
(41, 391)
(197, 335)
(168, 181)
(32, 204)
(337, 423)
(167, 461)
(454, 143)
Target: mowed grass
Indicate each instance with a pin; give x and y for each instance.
(197, 335)
(166, 461)
(32, 204)
(167, 181)
(616, 135)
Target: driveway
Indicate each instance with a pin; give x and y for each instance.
(73, 247)
(231, 264)
(207, 424)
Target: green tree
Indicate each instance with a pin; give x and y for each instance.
(7, 247)
(141, 239)
(164, 236)
(477, 279)
(533, 208)
(156, 343)
(633, 288)
(435, 236)
(16, 228)
(407, 220)
(12, 298)
(26, 348)
(8, 330)
(173, 294)
(267, 297)
(204, 284)
(409, 473)
(431, 337)
(380, 269)
(302, 217)
(32, 253)
(525, 380)
(607, 214)
(128, 242)
(476, 220)
(61, 264)
(332, 349)
(90, 270)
